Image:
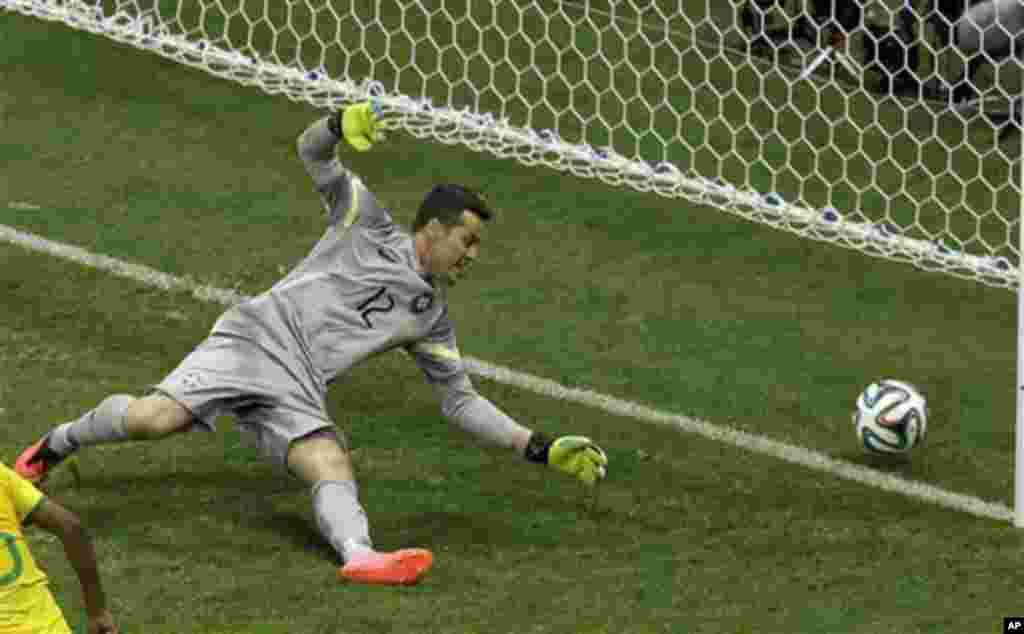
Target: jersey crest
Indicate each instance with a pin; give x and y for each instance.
(422, 303)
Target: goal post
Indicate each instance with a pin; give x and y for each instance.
(708, 101)
(1018, 479)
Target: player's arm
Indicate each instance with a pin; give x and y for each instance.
(439, 359)
(578, 456)
(78, 548)
(344, 195)
(479, 417)
(438, 356)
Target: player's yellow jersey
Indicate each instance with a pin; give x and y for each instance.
(26, 605)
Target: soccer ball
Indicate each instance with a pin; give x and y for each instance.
(891, 417)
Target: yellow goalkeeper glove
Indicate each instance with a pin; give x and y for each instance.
(359, 124)
(576, 455)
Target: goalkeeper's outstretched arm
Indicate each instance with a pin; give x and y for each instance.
(344, 195)
(358, 124)
(577, 456)
(480, 418)
(316, 149)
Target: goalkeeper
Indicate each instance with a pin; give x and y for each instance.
(366, 287)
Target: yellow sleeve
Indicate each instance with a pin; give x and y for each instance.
(22, 493)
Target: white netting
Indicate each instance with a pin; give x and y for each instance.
(704, 100)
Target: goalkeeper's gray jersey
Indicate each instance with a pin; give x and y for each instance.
(359, 292)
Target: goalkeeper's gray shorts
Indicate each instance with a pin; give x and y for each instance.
(229, 375)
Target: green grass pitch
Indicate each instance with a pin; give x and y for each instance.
(651, 300)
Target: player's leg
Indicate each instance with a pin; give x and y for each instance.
(194, 393)
(324, 463)
(318, 460)
(118, 418)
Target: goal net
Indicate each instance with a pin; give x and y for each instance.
(837, 129)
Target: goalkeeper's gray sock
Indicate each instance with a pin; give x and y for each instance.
(340, 517)
(105, 424)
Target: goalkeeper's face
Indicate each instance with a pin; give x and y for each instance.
(454, 249)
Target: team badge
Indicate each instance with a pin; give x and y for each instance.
(422, 303)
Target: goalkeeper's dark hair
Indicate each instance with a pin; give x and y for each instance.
(447, 202)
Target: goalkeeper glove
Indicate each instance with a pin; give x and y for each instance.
(576, 455)
(359, 125)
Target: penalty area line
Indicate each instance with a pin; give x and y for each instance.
(545, 387)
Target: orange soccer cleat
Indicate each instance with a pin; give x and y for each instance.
(34, 463)
(402, 567)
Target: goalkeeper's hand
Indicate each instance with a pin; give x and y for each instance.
(578, 456)
(360, 125)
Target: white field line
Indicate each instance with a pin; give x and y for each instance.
(545, 387)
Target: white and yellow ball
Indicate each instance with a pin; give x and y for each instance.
(891, 417)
